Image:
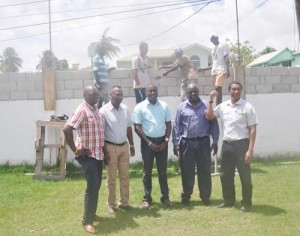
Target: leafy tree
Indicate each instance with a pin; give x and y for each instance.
(267, 50)
(247, 52)
(108, 43)
(9, 61)
(62, 65)
(48, 60)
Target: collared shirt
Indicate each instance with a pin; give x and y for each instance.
(153, 118)
(141, 64)
(235, 119)
(191, 122)
(89, 125)
(219, 52)
(100, 66)
(116, 122)
(186, 68)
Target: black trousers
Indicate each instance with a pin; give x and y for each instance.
(140, 95)
(92, 172)
(148, 156)
(195, 153)
(233, 156)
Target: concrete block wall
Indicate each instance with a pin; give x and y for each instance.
(69, 84)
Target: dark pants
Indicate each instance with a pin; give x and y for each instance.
(92, 171)
(148, 156)
(195, 153)
(233, 156)
(140, 95)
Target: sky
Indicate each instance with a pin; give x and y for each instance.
(24, 25)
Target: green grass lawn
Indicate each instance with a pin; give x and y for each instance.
(39, 207)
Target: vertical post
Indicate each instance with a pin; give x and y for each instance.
(239, 74)
(50, 40)
(238, 32)
(297, 8)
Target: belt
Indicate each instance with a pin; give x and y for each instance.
(117, 144)
(195, 138)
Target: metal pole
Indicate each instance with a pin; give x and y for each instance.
(238, 31)
(50, 41)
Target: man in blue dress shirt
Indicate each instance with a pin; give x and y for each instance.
(152, 123)
(191, 139)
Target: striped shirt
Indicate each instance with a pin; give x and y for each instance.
(89, 125)
(100, 66)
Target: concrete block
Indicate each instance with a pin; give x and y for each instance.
(125, 82)
(253, 80)
(21, 77)
(38, 85)
(18, 95)
(60, 85)
(205, 81)
(88, 82)
(120, 74)
(295, 88)
(131, 92)
(8, 86)
(276, 79)
(173, 91)
(166, 81)
(290, 79)
(280, 71)
(78, 93)
(4, 96)
(248, 72)
(261, 70)
(35, 95)
(281, 88)
(81, 75)
(126, 92)
(113, 82)
(162, 91)
(250, 89)
(74, 84)
(37, 76)
(64, 75)
(294, 70)
(264, 88)
(208, 89)
(64, 94)
(28, 85)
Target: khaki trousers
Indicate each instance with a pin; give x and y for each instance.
(118, 164)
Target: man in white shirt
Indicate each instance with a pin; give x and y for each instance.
(238, 120)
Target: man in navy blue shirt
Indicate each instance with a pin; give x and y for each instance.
(191, 139)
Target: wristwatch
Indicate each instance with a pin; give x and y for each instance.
(166, 139)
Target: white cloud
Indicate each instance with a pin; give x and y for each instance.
(272, 24)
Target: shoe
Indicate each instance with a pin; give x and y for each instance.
(226, 204)
(245, 209)
(110, 210)
(206, 201)
(185, 202)
(89, 229)
(125, 207)
(145, 205)
(167, 202)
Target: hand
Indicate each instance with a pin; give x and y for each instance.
(176, 150)
(213, 94)
(248, 157)
(132, 151)
(163, 146)
(83, 152)
(165, 73)
(214, 148)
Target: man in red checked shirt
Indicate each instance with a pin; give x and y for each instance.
(88, 150)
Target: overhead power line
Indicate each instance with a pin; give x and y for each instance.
(24, 3)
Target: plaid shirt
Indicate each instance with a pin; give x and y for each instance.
(90, 129)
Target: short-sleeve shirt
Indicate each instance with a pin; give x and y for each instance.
(153, 118)
(100, 66)
(89, 125)
(186, 68)
(141, 64)
(219, 53)
(235, 119)
(116, 122)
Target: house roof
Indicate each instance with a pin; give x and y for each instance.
(163, 53)
(266, 57)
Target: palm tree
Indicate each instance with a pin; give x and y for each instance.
(108, 43)
(10, 62)
(48, 60)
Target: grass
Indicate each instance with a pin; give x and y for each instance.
(39, 207)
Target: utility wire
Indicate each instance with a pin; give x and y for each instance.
(24, 3)
(92, 16)
(108, 21)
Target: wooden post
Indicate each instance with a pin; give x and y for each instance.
(48, 75)
(239, 75)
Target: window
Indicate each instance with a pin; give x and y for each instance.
(195, 60)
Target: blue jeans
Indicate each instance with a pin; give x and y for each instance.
(92, 171)
(148, 156)
(195, 153)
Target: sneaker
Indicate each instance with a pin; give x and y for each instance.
(145, 205)
(110, 210)
(226, 204)
(125, 207)
(245, 208)
(167, 202)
